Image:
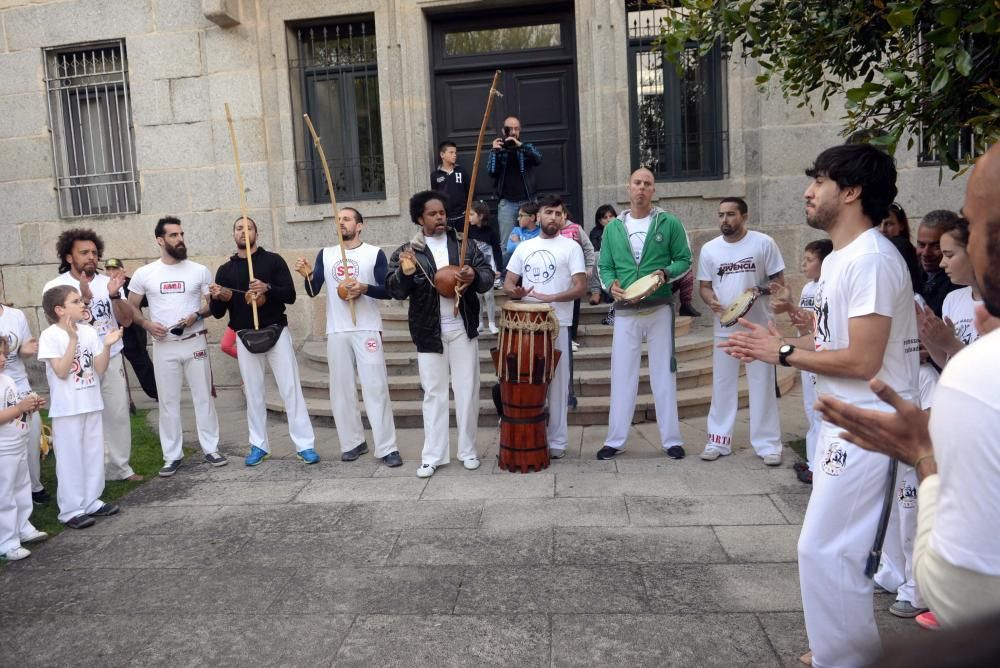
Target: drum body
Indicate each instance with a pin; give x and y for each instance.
(525, 359)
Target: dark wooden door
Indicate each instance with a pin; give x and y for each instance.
(536, 53)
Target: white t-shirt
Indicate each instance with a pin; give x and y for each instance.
(100, 306)
(548, 265)
(13, 435)
(14, 326)
(964, 427)
(928, 378)
(438, 246)
(960, 308)
(807, 298)
(80, 391)
(637, 229)
(174, 291)
(868, 276)
(361, 261)
(736, 267)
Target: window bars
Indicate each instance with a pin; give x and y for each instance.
(91, 127)
(334, 74)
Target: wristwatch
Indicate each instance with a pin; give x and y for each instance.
(784, 351)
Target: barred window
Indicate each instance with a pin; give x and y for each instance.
(334, 73)
(964, 147)
(678, 122)
(92, 136)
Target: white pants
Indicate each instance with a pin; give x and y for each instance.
(344, 350)
(631, 327)
(79, 448)
(765, 432)
(808, 381)
(557, 430)
(487, 306)
(460, 360)
(35, 451)
(15, 499)
(117, 421)
(281, 358)
(837, 535)
(174, 362)
(896, 571)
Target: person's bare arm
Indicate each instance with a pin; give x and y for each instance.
(63, 365)
(707, 295)
(101, 359)
(576, 291)
(862, 358)
(155, 329)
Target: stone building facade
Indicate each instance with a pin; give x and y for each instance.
(384, 87)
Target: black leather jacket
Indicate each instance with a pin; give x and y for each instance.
(425, 307)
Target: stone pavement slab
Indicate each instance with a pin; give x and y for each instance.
(637, 545)
(702, 510)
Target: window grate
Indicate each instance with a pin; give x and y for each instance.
(334, 73)
(92, 134)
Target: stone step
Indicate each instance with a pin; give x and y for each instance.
(591, 410)
(588, 358)
(587, 382)
(394, 317)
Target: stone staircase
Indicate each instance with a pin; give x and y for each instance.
(592, 364)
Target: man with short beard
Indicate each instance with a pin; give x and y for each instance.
(232, 293)
(177, 290)
(866, 326)
(79, 251)
(936, 284)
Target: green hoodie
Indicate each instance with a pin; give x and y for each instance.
(666, 248)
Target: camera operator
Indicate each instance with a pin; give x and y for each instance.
(511, 165)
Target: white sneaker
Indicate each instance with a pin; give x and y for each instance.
(711, 453)
(772, 460)
(16, 554)
(471, 464)
(557, 454)
(35, 536)
(425, 471)
(493, 328)
(576, 346)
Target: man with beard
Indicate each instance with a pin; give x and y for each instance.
(730, 264)
(355, 342)
(551, 270)
(232, 292)
(865, 296)
(79, 251)
(445, 339)
(956, 553)
(936, 284)
(175, 287)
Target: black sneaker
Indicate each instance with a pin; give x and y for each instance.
(80, 522)
(688, 310)
(106, 510)
(216, 459)
(675, 452)
(392, 460)
(171, 468)
(354, 453)
(607, 452)
(40, 497)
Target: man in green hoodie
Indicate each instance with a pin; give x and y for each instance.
(643, 240)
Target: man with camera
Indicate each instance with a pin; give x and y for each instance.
(511, 165)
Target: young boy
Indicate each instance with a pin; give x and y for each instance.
(488, 241)
(75, 358)
(15, 485)
(449, 180)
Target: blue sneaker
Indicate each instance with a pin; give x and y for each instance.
(308, 456)
(256, 456)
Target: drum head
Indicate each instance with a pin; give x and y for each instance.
(528, 307)
(643, 287)
(738, 308)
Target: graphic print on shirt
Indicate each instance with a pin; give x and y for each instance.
(10, 399)
(353, 268)
(82, 371)
(102, 316)
(907, 495)
(13, 346)
(638, 240)
(822, 308)
(540, 267)
(745, 266)
(835, 459)
(965, 330)
(172, 288)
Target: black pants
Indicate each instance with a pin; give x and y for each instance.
(134, 342)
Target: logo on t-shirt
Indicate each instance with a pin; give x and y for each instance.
(637, 240)
(372, 345)
(13, 346)
(822, 308)
(82, 372)
(172, 288)
(907, 495)
(11, 399)
(835, 460)
(807, 302)
(965, 331)
(540, 267)
(101, 310)
(745, 266)
(353, 268)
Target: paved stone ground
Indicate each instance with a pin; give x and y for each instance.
(640, 561)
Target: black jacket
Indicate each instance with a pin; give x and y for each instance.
(267, 267)
(936, 287)
(527, 156)
(489, 236)
(425, 305)
(455, 188)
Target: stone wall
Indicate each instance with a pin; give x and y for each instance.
(183, 67)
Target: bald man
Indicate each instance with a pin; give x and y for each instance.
(642, 241)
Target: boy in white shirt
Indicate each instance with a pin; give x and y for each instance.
(16, 412)
(74, 359)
